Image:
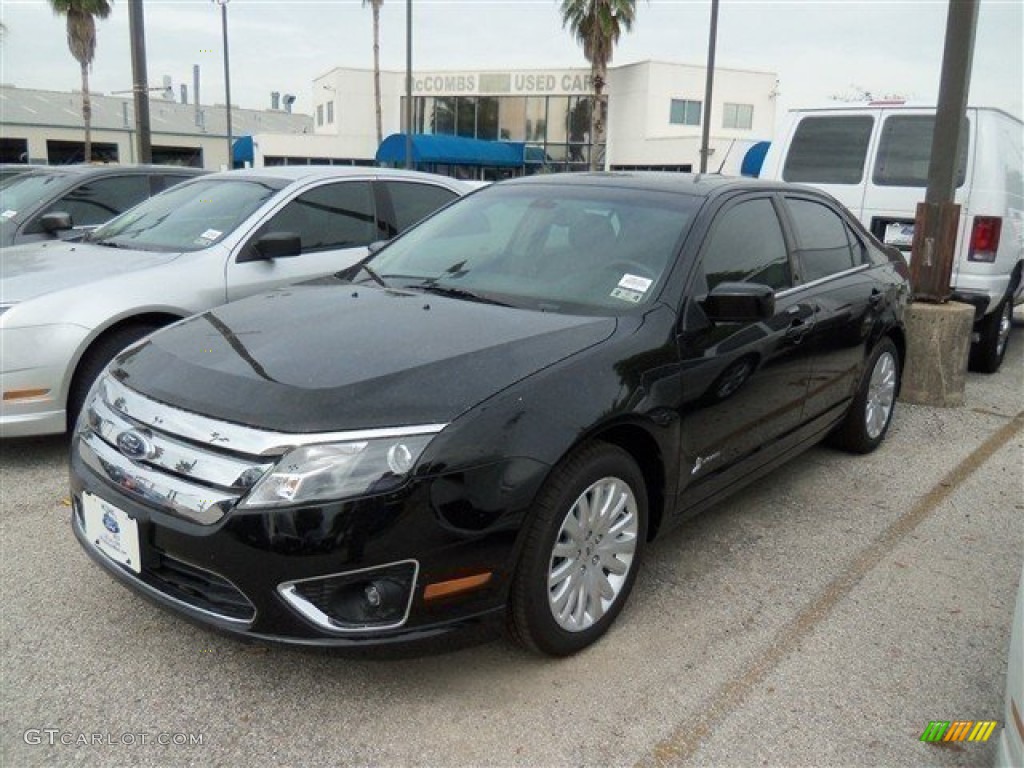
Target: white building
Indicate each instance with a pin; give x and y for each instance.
(654, 121)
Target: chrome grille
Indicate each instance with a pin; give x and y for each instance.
(197, 481)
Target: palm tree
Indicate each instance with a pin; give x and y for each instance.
(597, 25)
(375, 6)
(82, 15)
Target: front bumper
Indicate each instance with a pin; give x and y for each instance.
(35, 378)
(229, 576)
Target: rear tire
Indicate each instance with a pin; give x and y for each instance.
(988, 352)
(870, 414)
(102, 351)
(582, 551)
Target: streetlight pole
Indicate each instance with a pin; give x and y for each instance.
(705, 136)
(140, 82)
(227, 74)
(408, 84)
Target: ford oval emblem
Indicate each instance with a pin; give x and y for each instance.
(110, 523)
(134, 444)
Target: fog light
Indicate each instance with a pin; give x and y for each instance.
(364, 600)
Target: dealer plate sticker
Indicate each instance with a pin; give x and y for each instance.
(112, 531)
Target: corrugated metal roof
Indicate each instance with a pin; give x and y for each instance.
(24, 106)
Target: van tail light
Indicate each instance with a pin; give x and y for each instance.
(985, 238)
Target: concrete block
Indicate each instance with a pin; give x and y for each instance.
(938, 344)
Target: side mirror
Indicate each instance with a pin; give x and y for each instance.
(376, 246)
(740, 303)
(273, 245)
(55, 222)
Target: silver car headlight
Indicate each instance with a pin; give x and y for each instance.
(332, 471)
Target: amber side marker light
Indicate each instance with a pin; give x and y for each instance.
(455, 586)
(25, 394)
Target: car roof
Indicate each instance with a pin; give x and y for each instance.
(693, 184)
(314, 172)
(83, 170)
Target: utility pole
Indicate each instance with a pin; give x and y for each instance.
(938, 217)
(939, 330)
(140, 82)
(709, 82)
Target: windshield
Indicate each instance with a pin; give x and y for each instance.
(570, 248)
(20, 193)
(189, 216)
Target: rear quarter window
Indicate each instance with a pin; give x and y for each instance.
(829, 149)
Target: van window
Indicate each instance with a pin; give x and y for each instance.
(829, 150)
(905, 150)
(823, 240)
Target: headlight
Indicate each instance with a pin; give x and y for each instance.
(332, 471)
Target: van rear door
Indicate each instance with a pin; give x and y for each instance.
(898, 176)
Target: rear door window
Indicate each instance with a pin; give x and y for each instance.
(905, 150)
(824, 243)
(829, 149)
(412, 202)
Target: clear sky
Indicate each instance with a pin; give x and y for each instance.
(818, 49)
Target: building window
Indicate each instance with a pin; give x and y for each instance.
(319, 114)
(330, 112)
(684, 112)
(739, 116)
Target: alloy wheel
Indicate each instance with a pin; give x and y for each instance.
(593, 554)
(880, 396)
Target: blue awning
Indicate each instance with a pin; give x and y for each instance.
(242, 150)
(754, 159)
(453, 150)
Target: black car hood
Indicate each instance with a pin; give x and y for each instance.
(327, 357)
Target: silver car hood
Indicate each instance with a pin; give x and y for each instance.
(34, 269)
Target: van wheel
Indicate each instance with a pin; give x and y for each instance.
(988, 352)
(870, 414)
(582, 551)
(103, 350)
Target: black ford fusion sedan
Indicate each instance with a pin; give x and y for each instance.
(488, 419)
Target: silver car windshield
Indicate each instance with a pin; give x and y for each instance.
(189, 216)
(571, 248)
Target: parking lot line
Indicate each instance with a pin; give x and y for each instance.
(687, 737)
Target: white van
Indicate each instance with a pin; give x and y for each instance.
(874, 158)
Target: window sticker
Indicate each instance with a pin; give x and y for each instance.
(8, 214)
(635, 283)
(211, 235)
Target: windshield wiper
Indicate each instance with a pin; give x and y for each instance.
(429, 286)
(373, 275)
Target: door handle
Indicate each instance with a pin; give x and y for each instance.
(876, 298)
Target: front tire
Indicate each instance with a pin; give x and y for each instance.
(103, 350)
(988, 352)
(870, 414)
(582, 551)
